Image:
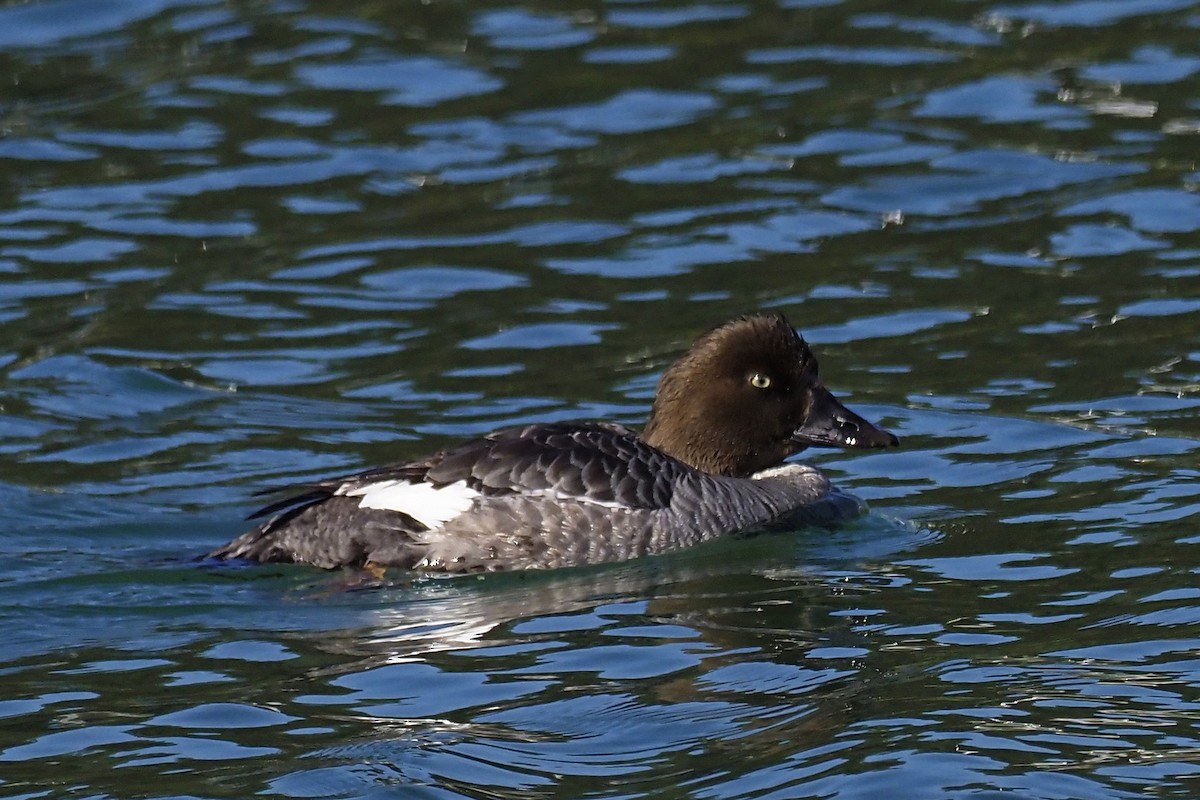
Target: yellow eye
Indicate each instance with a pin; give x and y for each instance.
(760, 381)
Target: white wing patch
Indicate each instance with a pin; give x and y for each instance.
(430, 505)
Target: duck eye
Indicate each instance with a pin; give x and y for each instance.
(760, 381)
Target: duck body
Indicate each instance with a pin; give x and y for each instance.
(708, 464)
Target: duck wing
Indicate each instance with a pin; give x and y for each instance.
(594, 464)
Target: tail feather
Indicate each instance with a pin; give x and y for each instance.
(296, 502)
(327, 531)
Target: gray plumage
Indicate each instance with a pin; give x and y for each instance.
(561, 494)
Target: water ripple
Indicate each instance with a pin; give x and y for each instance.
(251, 246)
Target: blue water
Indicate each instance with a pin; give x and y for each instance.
(243, 245)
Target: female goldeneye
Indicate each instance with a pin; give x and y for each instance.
(725, 416)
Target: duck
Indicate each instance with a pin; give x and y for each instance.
(710, 462)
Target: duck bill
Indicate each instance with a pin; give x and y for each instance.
(831, 424)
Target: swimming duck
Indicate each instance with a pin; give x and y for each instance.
(708, 463)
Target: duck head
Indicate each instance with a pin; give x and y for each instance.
(746, 396)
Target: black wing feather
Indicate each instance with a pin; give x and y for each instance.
(301, 500)
(595, 462)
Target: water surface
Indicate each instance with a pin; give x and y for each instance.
(248, 244)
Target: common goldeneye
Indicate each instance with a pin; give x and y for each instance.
(709, 463)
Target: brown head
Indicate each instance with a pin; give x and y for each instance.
(745, 397)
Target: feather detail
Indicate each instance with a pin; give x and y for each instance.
(430, 505)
